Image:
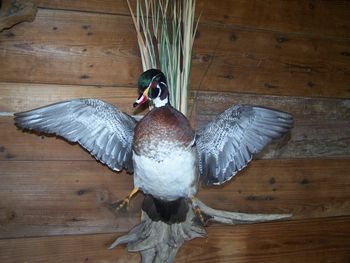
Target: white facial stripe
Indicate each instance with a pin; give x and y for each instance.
(160, 90)
(157, 101)
(150, 84)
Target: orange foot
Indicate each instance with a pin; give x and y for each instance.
(202, 219)
(123, 205)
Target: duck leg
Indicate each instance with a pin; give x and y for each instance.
(122, 205)
(203, 219)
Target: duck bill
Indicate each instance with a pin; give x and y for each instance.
(142, 99)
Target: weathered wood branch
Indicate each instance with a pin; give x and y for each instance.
(159, 241)
(16, 11)
(234, 218)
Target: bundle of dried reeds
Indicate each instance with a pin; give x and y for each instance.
(165, 34)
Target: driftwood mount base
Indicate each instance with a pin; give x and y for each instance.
(159, 242)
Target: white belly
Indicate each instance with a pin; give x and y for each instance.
(172, 177)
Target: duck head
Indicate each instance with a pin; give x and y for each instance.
(152, 86)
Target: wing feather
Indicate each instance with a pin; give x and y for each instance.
(227, 144)
(99, 127)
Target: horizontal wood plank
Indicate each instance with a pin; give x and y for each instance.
(272, 63)
(320, 125)
(325, 18)
(69, 197)
(316, 240)
(66, 47)
(318, 17)
(69, 249)
(292, 241)
(71, 48)
(57, 198)
(16, 97)
(100, 6)
(304, 187)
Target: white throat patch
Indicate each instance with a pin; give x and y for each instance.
(157, 101)
(160, 103)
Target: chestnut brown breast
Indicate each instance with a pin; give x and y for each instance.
(160, 128)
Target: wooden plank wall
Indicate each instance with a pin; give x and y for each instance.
(290, 55)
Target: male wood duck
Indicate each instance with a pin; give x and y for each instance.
(166, 155)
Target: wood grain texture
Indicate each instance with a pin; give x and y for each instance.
(69, 197)
(69, 249)
(290, 241)
(317, 17)
(71, 48)
(16, 97)
(313, 240)
(60, 198)
(99, 6)
(272, 63)
(66, 47)
(320, 125)
(304, 187)
(326, 18)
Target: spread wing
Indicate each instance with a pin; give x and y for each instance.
(99, 127)
(227, 144)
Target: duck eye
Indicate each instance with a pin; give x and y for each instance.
(153, 92)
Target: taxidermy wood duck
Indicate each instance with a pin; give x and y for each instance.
(166, 156)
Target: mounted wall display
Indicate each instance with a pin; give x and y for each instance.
(93, 80)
